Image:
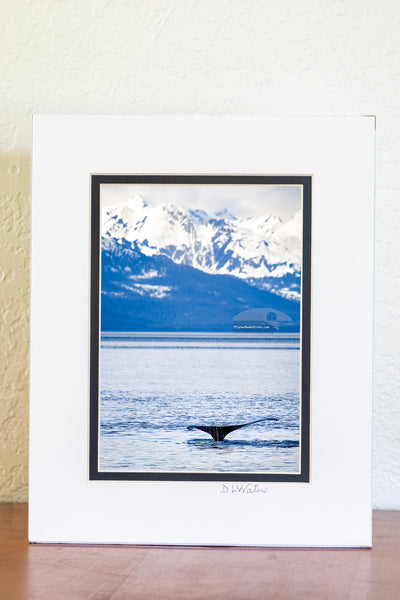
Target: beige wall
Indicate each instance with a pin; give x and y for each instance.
(216, 56)
(14, 324)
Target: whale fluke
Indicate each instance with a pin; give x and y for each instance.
(218, 433)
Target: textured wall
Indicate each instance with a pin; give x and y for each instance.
(14, 325)
(214, 56)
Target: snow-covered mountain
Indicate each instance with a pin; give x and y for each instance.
(263, 250)
(153, 293)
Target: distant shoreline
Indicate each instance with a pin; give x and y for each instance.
(234, 334)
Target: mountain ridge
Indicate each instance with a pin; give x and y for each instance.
(153, 293)
(263, 250)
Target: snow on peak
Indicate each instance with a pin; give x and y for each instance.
(137, 202)
(225, 214)
(252, 247)
(199, 215)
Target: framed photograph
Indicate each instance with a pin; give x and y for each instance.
(200, 322)
(201, 331)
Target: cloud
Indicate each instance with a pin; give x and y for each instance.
(241, 200)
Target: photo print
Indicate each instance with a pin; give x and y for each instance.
(200, 327)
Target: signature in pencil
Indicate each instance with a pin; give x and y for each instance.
(243, 488)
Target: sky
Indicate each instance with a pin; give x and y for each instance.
(241, 200)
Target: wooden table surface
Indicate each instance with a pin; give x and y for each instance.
(50, 572)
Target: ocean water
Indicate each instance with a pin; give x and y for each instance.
(154, 385)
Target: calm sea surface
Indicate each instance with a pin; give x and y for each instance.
(153, 386)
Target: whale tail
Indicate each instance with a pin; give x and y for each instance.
(219, 433)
